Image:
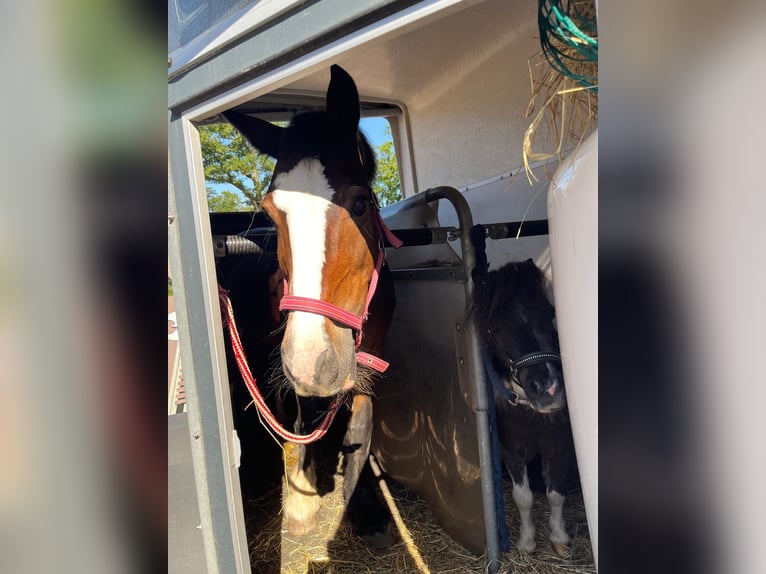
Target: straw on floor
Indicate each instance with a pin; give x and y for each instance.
(425, 547)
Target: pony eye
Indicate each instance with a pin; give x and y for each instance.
(360, 207)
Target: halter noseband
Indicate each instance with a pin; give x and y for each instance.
(516, 394)
(331, 311)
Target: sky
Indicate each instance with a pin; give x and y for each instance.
(374, 129)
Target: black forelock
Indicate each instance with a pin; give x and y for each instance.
(308, 135)
(314, 134)
(530, 283)
(511, 287)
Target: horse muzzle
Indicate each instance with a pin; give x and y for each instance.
(319, 366)
(546, 400)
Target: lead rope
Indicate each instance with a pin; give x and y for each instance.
(252, 387)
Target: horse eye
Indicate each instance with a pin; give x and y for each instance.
(360, 207)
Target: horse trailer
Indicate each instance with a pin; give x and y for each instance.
(454, 80)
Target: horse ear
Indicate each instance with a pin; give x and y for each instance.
(343, 100)
(264, 136)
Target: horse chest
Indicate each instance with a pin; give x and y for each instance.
(524, 434)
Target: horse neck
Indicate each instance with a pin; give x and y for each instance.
(380, 312)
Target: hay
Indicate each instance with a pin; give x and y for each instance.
(332, 549)
(563, 112)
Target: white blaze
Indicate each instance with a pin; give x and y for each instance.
(304, 195)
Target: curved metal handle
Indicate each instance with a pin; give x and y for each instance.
(480, 397)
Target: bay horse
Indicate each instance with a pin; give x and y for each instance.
(338, 293)
(517, 324)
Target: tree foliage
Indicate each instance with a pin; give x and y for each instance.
(230, 159)
(386, 184)
(225, 201)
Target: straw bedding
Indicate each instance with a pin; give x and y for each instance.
(331, 549)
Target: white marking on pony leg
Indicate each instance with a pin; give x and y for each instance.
(558, 530)
(522, 496)
(302, 504)
(304, 195)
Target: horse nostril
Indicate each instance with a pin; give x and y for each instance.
(538, 387)
(327, 367)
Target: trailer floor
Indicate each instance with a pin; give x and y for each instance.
(331, 549)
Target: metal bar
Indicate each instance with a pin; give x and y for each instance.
(454, 273)
(517, 229)
(410, 237)
(190, 251)
(423, 236)
(229, 239)
(479, 392)
(302, 29)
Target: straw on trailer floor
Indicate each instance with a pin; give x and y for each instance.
(331, 549)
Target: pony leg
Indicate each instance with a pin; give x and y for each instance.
(369, 519)
(559, 537)
(302, 503)
(554, 473)
(522, 496)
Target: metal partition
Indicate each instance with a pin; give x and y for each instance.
(430, 434)
(432, 419)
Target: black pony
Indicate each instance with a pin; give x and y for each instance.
(517, 323)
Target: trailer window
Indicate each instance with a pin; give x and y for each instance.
(387, 184)
(237, 176)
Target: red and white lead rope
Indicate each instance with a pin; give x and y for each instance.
(260, 403)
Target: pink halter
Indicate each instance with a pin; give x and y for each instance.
(308, 305)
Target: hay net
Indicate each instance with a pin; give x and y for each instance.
(563, 81)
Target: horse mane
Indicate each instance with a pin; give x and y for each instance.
(519, 283)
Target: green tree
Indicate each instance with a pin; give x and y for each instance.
(224, 201)
(386, 184)
(229, 158)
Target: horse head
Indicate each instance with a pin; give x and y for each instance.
(517, 323)
(328, 233)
